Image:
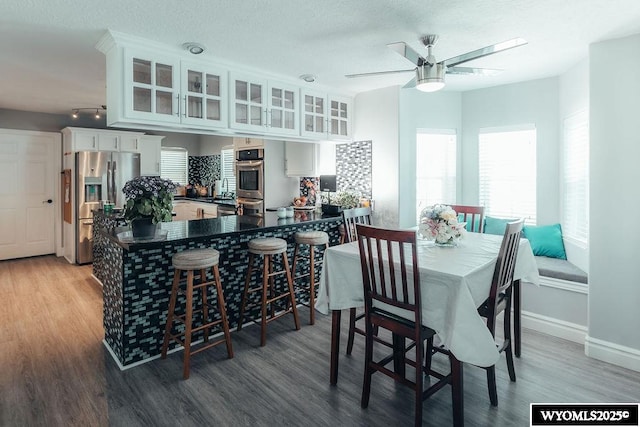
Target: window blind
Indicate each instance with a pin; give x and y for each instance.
(227, 169)
(435, 168)
(507, 169)
(174, 165)
(575, 172)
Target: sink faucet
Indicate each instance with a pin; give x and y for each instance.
(225, 186)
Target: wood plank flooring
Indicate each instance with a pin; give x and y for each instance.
(55, 371)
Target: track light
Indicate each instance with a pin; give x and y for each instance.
(75, 112)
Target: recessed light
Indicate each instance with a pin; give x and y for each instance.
(309, 78)
(193, 47)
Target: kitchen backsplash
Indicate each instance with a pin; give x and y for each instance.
(353, 168)
(204, 170)
(353, 172)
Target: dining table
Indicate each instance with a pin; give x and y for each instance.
(454, 282)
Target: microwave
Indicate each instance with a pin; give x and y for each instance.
(252, 154)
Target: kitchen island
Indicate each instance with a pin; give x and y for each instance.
(136, 275)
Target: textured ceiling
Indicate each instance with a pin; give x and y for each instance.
(48, 60)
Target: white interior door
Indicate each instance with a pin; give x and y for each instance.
(28, 196)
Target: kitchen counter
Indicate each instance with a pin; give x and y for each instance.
(136, 275)
(215, 200)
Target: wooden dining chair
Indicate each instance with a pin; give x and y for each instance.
(472, 215)
(392, 298)
(350, 218)
(499, 301)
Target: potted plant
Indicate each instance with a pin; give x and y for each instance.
(149, 202)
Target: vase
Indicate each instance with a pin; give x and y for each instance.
(143, 228)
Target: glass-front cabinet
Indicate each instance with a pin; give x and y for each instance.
(339, 117)
(325, 116)
(204, 95)
(282, 109)
(249, 106)
(264, 106)
(152, 87)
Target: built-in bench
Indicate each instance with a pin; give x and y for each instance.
(560, 269)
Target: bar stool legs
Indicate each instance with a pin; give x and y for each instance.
(268, 247)
(313, 239)
(190, 261)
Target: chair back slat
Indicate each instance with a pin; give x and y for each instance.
(472, 215)
(503, 273)
(354, 216)
(389, 275)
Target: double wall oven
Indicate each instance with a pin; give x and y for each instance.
(250, 181)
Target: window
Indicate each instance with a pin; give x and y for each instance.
(174, 165)
(435, 168)
(507, 167)
(575, 182)
(227, 169)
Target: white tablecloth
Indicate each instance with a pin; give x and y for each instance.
(454, 282)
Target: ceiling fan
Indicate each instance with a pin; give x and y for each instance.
(430, 74)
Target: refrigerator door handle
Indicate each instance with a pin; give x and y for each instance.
(109, 181)
(113, 183)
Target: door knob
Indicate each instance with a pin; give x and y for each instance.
(47, 201)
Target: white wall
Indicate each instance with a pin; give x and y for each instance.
(614, 288)
(528, 102)
(213, 144)
(419, 110)
(376, 119)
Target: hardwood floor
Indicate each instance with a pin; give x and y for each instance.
(55, 371)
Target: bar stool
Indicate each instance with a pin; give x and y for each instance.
(268, 247)
(189, 261)
(313, 239)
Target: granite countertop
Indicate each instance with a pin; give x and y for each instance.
(212, 200)
(203, 228)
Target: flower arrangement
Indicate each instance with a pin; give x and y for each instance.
(149, 197)
(440, 223)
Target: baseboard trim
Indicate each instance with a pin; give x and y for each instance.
(609, 352)
(566, 285)
(554, 327)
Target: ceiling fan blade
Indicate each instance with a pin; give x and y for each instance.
(472, 70)
(407, 52)
(410, 84)
(485, 51)
(377, 73)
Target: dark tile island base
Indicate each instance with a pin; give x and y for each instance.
(137, 275)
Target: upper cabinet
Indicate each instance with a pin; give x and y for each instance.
(152, 86)
(87, 139)
(265, 107)
(204, 95)
(326, 116)
(150, 154)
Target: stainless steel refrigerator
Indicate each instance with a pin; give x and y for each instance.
(100, 176)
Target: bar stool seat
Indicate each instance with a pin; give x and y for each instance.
(267, 248)
(313, 239)
(191, 261)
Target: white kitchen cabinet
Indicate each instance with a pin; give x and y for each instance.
(326, 116)
(204, 95)
(268, 107)
(86, 139)
(150, 154)
(247, 143)
(300, 159)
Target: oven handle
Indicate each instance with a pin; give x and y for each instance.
(248, 163)
(248, 202)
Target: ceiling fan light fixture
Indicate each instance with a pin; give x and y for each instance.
(430, 78)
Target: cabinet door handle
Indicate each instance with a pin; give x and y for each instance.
(178, 102)
(184, 113)
(93, 138)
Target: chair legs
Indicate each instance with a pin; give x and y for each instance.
(352, 329)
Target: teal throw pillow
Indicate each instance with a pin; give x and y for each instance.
(546, 240)
(496, 225)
